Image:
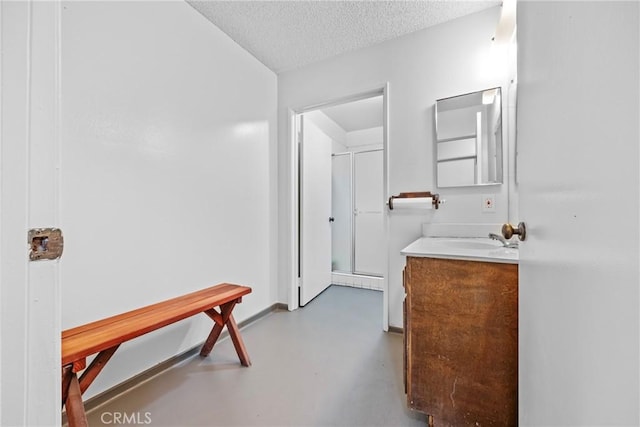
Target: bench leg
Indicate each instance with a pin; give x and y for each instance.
(73, 402)
(234, 332)
(221, 319)
(72, 388)
(211, 340)
(95, 367)
(67, 371)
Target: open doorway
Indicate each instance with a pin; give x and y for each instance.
(357, 243)
(341, 193)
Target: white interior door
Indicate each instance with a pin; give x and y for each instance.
(30, 90)
(578, 177)
(315, 210)
(369, 233)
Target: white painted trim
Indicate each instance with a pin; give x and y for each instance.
(57, 208)
(338, 101)
(293, 302)
(1, 230)
(27, 209)
(383, 90)
(385, 217)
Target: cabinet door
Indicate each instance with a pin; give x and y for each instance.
(463, 341)
(404, 332)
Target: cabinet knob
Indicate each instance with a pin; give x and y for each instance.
(509, 230)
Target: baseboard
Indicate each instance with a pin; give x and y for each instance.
(115, 391)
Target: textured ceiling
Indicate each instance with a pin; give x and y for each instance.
(285, 35)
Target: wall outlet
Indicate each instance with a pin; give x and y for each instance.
(488, 203)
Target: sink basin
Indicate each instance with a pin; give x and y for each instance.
(469, 243)
(472, 249)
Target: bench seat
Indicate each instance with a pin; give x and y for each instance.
(105, 336)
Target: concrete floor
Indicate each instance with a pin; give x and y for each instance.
(327, 364)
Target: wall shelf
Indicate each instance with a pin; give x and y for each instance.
(456, 138)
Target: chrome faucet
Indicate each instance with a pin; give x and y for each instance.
(505, 242)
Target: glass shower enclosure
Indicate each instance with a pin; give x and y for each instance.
(357, 206)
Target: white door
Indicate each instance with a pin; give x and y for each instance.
(369, 233)
(578, 109)
(315, 210)
(30, 91)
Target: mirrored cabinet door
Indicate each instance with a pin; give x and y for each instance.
(469, 147)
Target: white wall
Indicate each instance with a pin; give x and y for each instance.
(331, 129)
(445, 60)
(579, 181)
(168, 170)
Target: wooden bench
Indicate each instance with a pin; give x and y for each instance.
(105, 336)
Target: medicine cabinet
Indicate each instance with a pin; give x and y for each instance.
(469, 148)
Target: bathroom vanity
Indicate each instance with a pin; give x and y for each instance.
(461, 331)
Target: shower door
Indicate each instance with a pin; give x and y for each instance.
(357, 242)
(342, 213)
(368, 203)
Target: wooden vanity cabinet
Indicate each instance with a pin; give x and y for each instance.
(461, 341)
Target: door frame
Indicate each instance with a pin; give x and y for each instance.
(294, 188)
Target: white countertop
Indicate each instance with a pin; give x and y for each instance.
(462, 248)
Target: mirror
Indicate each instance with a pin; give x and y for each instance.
(469, 139)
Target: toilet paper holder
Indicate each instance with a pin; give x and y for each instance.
(435, 198)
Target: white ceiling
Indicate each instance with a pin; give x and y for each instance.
(357, 115)
(285, 35)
